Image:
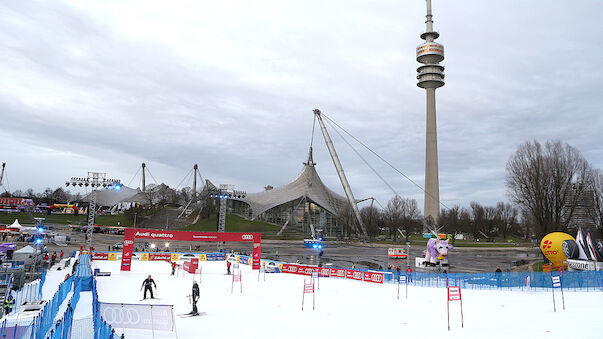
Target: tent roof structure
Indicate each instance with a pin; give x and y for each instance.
(306, 185)
(112, 197)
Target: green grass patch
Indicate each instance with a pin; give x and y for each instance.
(234, 223)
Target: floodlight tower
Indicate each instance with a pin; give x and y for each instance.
(95, 180)
(431, 76)
(225, 192)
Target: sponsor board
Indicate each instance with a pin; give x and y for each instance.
(140, 316)
(583, 265)
(373, 277)
(174, 257)
(338, 272)
(324, 272)
(112, 256)
(352, 274)
(100, 256)
(144, 257)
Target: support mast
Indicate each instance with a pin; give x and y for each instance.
(2, 173)
(144, 166)
(195, 169)
(342, 177)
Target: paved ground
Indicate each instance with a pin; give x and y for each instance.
(339, 254)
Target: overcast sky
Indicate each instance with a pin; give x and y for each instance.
(230, 85)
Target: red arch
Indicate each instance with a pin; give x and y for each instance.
(142, 233)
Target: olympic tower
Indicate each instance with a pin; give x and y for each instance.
(431, 76)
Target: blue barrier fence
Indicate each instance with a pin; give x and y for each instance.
(102, 330)
(62, 329)
(45, 319)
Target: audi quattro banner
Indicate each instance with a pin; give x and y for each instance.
(147, 317)
(193, 236)
(130, 234)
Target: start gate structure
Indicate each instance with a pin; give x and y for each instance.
(140, 233)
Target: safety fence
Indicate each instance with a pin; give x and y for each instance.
(575, 280)
(29, 292)
(570, 280)
(62, 329)
(102, 330)
(45, 319)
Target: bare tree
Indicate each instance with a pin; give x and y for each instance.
(506, 217)
(596, 213)
(541, 178)
(371, 216)
(455, 220)
(402, 213)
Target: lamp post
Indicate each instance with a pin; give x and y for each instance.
(95, 180)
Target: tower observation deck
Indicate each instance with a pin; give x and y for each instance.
(430, 75)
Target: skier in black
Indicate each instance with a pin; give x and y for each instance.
(147, 286)
(195, 297)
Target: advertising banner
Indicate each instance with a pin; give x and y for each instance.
(160, 256)
(373, 277)
(140, 316)
(324, 272)
(352, 274)
(100, 256)
(126, 254)
(338, 272)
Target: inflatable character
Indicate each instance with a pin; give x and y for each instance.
(437, 252)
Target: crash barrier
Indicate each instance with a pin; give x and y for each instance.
(575, 280)
(45, 319)
(62, 329)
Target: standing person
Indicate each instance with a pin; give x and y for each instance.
(409, 273)
(173, 267)
(228, 264)
(62, 254)
(54, 258)
(148, 283)
(9, 302)
(195, 297)
(498, 274)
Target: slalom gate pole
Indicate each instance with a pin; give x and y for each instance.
(461, 300)
(407, 286)
(313, 296)
(448, 304)
(241, 282)
(232, 284)
(562, 297)
(553, 290)
(398, 288)
(303, 294)
(152, 323)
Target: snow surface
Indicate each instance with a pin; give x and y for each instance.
(346, 308)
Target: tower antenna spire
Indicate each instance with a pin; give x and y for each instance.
(431, 76)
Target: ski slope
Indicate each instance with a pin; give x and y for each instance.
(345, 308)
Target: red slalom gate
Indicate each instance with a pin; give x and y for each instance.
(131, 234)
(454, 294)
(236, 277)
(308, 288)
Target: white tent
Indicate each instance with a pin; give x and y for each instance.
(26, 250)
(15, 224)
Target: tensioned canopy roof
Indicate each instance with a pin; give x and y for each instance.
(307, 185)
